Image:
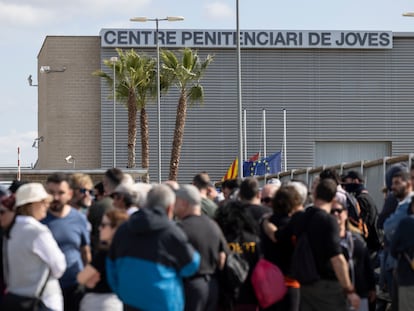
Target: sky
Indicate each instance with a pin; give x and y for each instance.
(24, 25)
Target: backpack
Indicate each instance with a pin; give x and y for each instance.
(354, 215)
(235, 270)
(268, 283)
(231, 279)
(303, 261)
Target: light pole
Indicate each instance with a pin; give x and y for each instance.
(114, 59)
(239, 96)
(157, 20)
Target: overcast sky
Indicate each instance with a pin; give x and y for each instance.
(24, 24)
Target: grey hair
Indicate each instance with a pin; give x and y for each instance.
(143, 190)
(301, 189)
(160, 195)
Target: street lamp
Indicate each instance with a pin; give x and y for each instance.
(114, 59)
(239, 96)
(157, 20)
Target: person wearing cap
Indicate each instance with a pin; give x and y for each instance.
(354, 185)
(402, 189)
(202, 289)
(70, 229)
(32, 258)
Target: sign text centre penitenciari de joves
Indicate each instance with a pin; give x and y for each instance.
(248, 39)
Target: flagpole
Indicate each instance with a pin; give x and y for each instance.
(264, 138)
(284, 138)
(264, 134)
(18, 164)
(245, 133)
(239, 96)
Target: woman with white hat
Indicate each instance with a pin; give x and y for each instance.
(32, 259)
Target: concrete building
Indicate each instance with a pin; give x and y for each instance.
(348, 96)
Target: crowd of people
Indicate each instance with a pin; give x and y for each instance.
(70, 244)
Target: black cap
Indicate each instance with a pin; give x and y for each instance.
(354, 175)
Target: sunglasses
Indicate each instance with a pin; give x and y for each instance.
(104, 225)
(337, 210)
(84, 191)
(266, 200)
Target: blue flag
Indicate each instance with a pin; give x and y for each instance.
(269, 165)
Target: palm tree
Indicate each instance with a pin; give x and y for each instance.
(185, 74)
(135, 81)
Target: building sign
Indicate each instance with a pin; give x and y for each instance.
(248, 39)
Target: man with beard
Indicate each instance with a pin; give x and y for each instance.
(402, 189)
(82, 187)
(69, 228)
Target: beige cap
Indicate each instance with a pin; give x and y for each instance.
(31, 192)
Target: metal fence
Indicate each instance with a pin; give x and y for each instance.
(373, 171)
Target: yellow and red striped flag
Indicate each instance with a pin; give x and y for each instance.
(232, 171)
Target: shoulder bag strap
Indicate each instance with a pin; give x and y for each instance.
(44, 284)
(350, 243)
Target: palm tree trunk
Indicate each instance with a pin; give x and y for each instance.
(144, 143)
(178, 135)
(132, 128)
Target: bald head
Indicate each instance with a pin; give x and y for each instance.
(267, 194)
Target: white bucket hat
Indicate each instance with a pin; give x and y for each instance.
(31, 192)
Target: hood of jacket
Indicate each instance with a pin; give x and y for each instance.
(148, 219)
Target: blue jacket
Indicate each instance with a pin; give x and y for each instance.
(403, 243)
(390, 226)
(392, 222)
(148, 258)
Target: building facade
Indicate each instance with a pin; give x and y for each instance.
(348, 97)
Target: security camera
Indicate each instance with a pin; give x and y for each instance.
(44, 69)
(69, 158)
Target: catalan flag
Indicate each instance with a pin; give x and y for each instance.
(232, 171)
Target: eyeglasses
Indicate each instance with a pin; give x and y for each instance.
(84, 191)
(104, 224)
(266, 200)
(337, 210)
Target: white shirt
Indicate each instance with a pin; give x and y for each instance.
(46, 247)
(132, 210)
